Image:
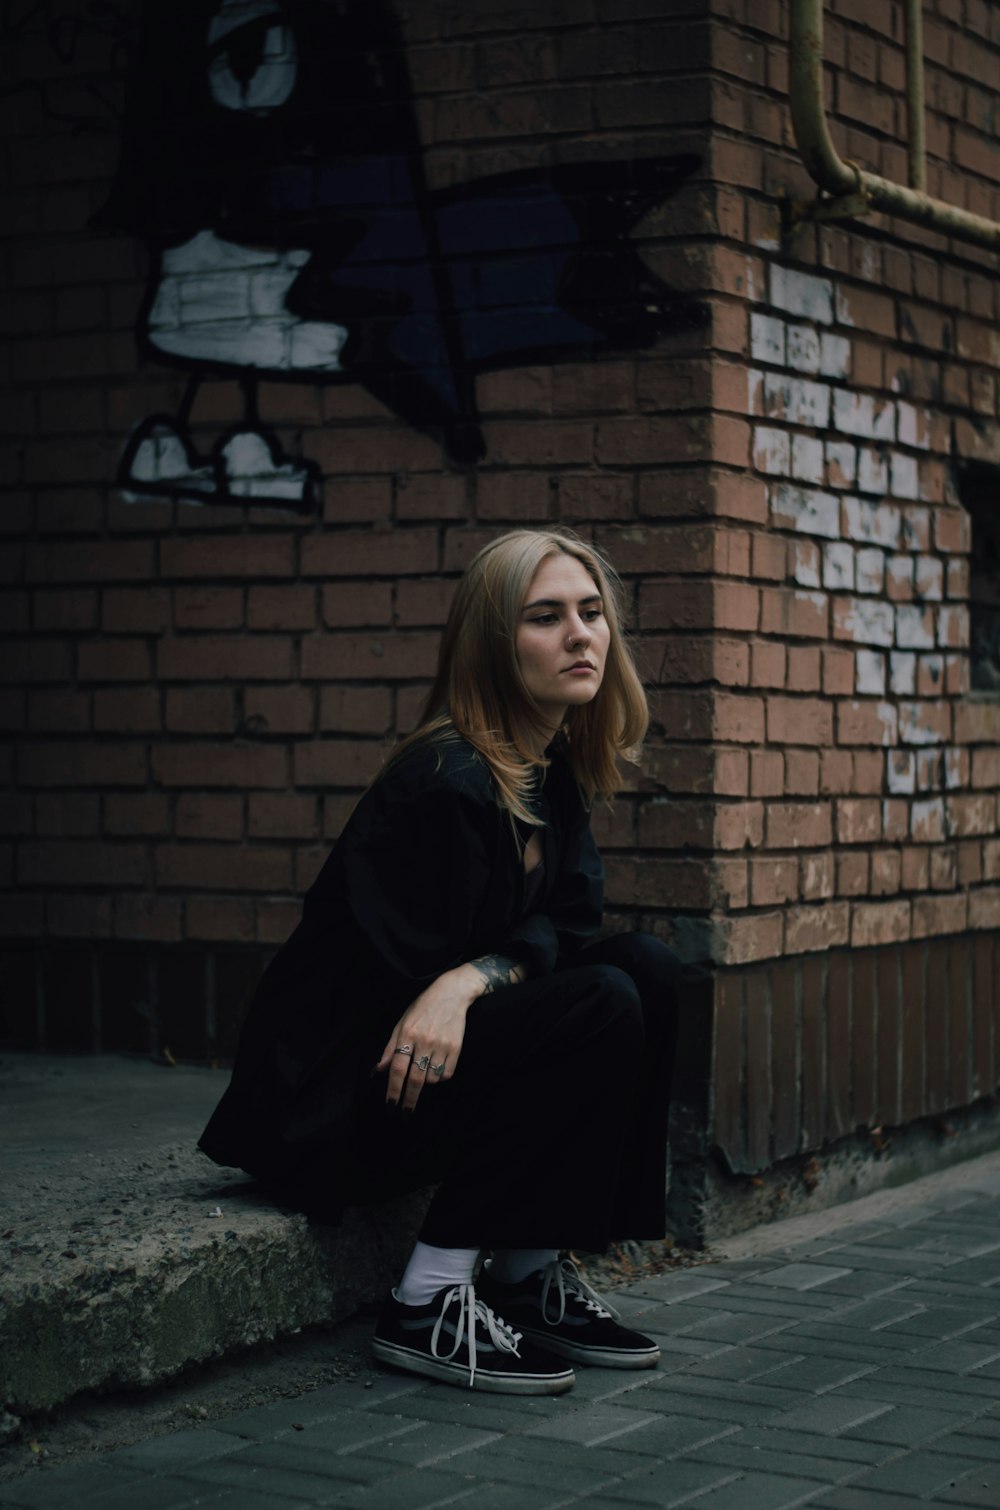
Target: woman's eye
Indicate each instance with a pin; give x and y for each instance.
(593, 613)
(545, 618)
(253, 60)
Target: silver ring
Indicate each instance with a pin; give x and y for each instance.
(423, 1061)
(438, 1069)
(404, 1048)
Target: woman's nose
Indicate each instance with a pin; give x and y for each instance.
(579, 631)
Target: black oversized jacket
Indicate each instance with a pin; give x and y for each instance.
(426, 875)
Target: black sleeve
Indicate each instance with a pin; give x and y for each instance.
(415, 877)
(576, 901)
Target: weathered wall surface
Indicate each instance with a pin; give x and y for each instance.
(198, 689)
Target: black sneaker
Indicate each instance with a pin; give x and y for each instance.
(557, 1308)
(459, 1339)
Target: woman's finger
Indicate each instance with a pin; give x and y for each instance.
(400, 1062)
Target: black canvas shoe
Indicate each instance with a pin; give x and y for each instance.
(558, 1309)
(459, 1339)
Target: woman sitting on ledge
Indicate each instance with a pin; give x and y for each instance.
(444, 1014)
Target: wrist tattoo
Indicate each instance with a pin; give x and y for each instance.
(498, 971)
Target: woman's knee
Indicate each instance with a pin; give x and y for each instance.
(611, 998)
(649, 962)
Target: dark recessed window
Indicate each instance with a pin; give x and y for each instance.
(980, 493)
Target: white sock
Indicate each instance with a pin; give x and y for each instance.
(509, 1266)
(432, 1269)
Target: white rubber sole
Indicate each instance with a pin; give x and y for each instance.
(415, 1362)
(595, 1356)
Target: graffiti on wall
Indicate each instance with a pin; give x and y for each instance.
(271, 160)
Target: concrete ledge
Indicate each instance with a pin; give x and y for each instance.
(114, 1271)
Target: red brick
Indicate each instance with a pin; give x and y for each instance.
(118, 660)
(208, 608)
(132, 711)
(773, 882)
(984, 908)
(944, 867)
(90, 561)
(338, 762)
(78, 916)
(879, 923)
(281, 608)
(986, 768)
(206, 657)
(804, 668)
(350, 604)
(934, 915)
(26, 661)
(358, 500)
(756, 936)
(592, 495)
(59, 712)
(420, 603)
(817, 876)
(804, 615)
(515, 496)
(223, 867)
(767, 664)
(977, 723)
(283, 816)
(838, 672)
(80, 862)
(866, 723)
(225, 556)
(801, 773)
(971, 814)
(738, 719)
(13, 711)
(207, 763)
(274, 710)
(349, 657)
(676, 825)
(78, 763)
(145, 917)
(867, 771)
(703, 493)
(767, 773)
(808, 929)
(136, 813)
(769, 558)
(69, 609)
(204, 817)
(799, 720)
(852, 875)
(859, 820)
(377, 553)
(799, 825)
(225, 919)
(65, 814)
(952, 530)
(201, 710)
(431, 497)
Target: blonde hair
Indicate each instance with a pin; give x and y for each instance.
(479, 692)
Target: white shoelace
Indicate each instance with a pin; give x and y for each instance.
(470, 1311)
(565, 1278)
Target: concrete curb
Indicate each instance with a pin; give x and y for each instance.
(126, 1256)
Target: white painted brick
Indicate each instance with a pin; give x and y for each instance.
(900, 572)
(913, 724)
(929, 579)
(905, 476)
(838, 566)
(900, 773)
(953, 773)
(842, 463)
(932, 667)
(873, 473)
(914, 627)
(860, 414)
(802, 294)
(953, 625)
(912, 426)
(806, 563)
(869, 569)
(927, 815)
(806, 509)
(798, 400)
(755, 391)
(902, 673)
(869, 622)
(772, 450)
(916, 530)
(929, 770)
(807, 459)
(869, 523)
(834, 355)
(767, 339)
(803, 348)
(889, 719)
(870, 673)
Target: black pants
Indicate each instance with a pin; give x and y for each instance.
(553, 1132)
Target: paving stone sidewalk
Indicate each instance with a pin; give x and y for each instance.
(856, 1370)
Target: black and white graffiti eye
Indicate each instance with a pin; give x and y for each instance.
(253, 60)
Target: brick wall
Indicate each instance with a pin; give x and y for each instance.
(197, 693)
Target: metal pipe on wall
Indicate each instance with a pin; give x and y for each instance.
(842, 178)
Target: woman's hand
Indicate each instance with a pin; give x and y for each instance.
(427, 1040)
(433, 1030)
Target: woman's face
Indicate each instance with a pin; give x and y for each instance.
(562, 637)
